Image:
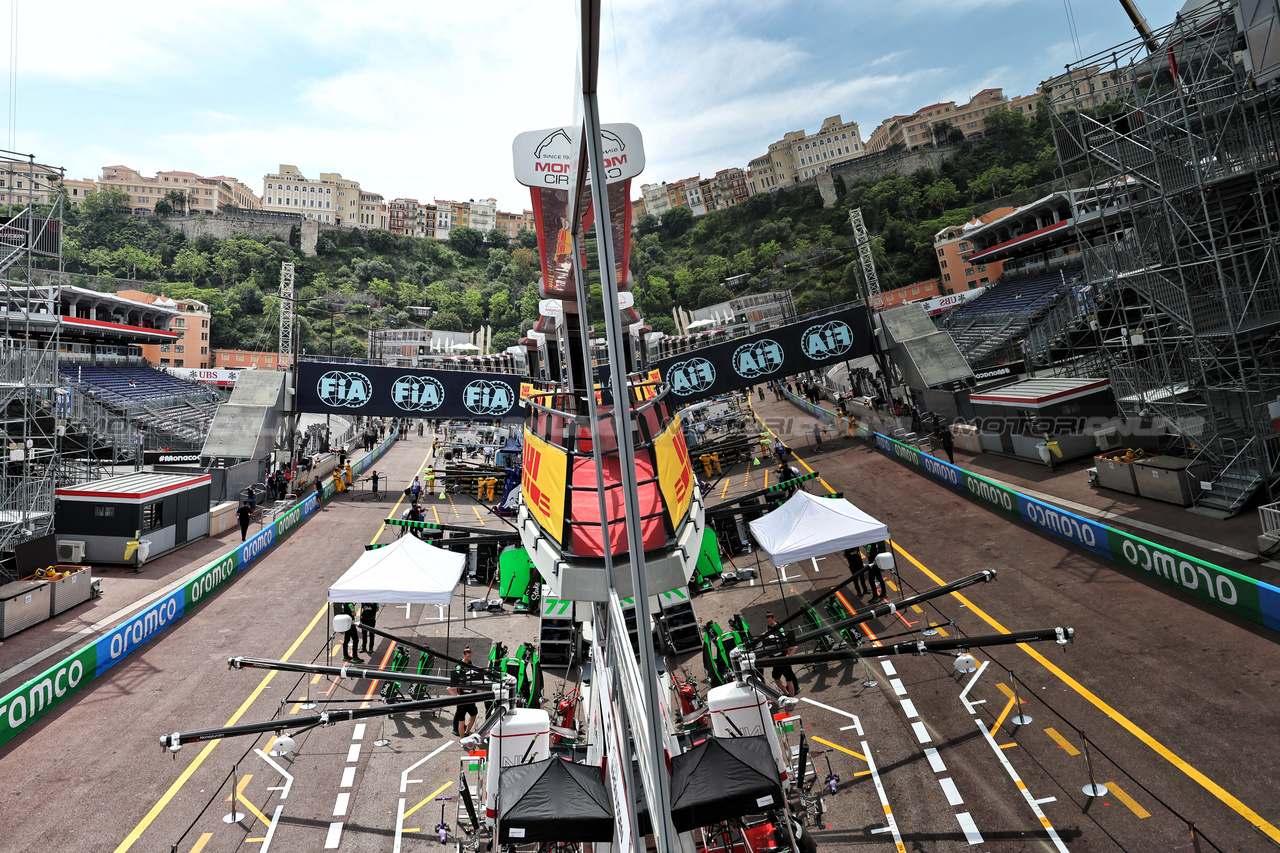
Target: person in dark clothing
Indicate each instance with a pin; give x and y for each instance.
(858, 569)
(460, 684)
(368, 619)
(251, 498)
(244, 515)
(342, 458)
(761, 392)
(949, 444)
(778, 642)
(373, 482)
(879, 590)
(350, 637)
(319, 487)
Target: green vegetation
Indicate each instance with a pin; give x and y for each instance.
(784, 240)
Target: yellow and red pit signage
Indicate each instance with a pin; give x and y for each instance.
(675, 471)
(545, 470)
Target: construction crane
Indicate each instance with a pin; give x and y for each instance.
(1140, 24)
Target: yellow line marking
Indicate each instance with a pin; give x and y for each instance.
(942, 631)
(725, 490)
(477, 509)
(414, 829)
(244, 780)
(256, 840)
(1000, 720)
(191, 768)
(1008, 691)
(916, 607)
(766, 478)
(1160, 749)
(862, 773)
(1129, 801)
(429, 798)
(1007, 745)
(204, 839)
(186, 774)
(437, 512)
(1062, 742)
(893, 586)
(746, 477)
(839, 747)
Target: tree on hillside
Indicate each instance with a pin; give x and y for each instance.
(497, 239)
(163, 208)
(677, 221)
(177, 200)
(527, 238)
(466, 241)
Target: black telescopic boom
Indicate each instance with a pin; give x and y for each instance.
(326, 718)
(340, 671)
(411, 644)
(920, 647)
(886, 608)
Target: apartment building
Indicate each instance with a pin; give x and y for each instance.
(910, 293)
(242, 359)
(798, 156)
(26, 183)
(373, 210)
(729, 187)
(406, 216)
(191, 349)
(450, 215)
(201, 194)
(512, 223)
(954, 248)
(331, 198)
(483, 214)
(921, 127)
(1085, 88)
(656, 200)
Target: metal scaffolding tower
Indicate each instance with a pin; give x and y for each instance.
(1185, 274)
(863, 241)
(32, 411)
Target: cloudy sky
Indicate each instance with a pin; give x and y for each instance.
(422, 99)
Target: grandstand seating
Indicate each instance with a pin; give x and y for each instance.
(169, 408)
(984, 326)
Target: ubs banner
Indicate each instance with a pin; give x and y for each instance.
(393, 392)
(775, 354)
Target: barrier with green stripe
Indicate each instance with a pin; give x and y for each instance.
(1254, 600)
(41, 694)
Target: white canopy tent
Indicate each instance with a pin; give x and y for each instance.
(408, 571)
(809, 526)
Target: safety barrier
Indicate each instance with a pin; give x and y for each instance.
(1247, 598)
(38, 696)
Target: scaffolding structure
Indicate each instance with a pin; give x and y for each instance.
(1184, 276)
(32, 417)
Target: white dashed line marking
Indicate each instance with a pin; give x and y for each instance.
(935, 760)
(922, 734)
(348, 777)
(899, 688)
(970, 828)
(949, 788)
(353, 752)
(358, 732)
(340, 804)
(909, 708)
(334, 837)
(888, 668)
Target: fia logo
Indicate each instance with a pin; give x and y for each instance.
(340, 388)
(417, 393)
(486, 398)
(758, 358)
(691, 377)
(827, 340)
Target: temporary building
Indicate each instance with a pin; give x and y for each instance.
(553, 800)
(408, 571)
(809, 526)
(723, 778)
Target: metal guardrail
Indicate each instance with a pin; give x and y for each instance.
(1269, 516)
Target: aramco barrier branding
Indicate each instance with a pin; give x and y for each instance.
(1245, 597)
(38, 696)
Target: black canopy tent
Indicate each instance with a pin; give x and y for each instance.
(723, 778)
(553, 800)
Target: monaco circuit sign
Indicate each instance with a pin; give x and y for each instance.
(545, 158)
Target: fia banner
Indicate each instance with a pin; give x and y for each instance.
(393, 392)
(767, 356)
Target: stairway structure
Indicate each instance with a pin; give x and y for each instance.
(1186, 276)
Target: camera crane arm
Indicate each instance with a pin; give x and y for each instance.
(1061, 636)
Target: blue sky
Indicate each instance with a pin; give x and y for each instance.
(422, 99)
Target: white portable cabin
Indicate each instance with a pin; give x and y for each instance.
(524, 735)
(99, 519)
